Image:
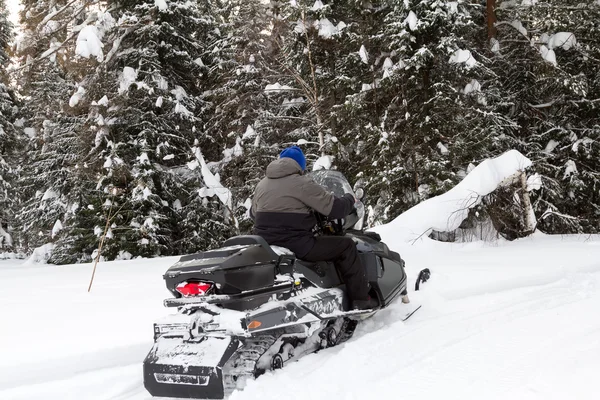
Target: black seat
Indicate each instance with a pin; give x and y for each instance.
(315, 267)
(246, 240)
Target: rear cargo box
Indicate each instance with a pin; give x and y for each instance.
(233, 269)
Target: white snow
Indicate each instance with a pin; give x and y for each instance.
(587, 142)
(161, 4)
(127, 78)
(77, 96)
(5, 239)
(250, 133)
(236, 151)
(300, 27)
(570, 169)
(510, 321)
(323, 162)
(103, 101)
(446, 212)
(552, 144)
(534, 182)
(326, 28)
(88, 43)
(495, 45)
(39, 256)
(473, 86)
(463, 57)
(388, 67)
(529, 2)
(566, 40)
(317, 6)
(30, 132)
(58, 226)
(181, 109)
(177, 205)
(548, 55)
(50, 27)
(108, 163)
(143, 158)
(518, 25)
(212, 182)
(388, 63)
(276, 87)
(14, 6)
(364, 55)
(443, 149)
(49, 194)
(179, 93)
(412, 21)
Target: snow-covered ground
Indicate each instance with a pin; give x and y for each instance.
(505, 321)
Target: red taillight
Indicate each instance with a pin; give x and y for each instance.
(188, 289)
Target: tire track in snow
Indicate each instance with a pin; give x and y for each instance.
(473, 346)
(64, 368)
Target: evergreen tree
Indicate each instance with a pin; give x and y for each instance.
(8, 136)
(47, 83)
(241, 113)
(548, 55)
(322, 57)
(428, 112)
(143, 124)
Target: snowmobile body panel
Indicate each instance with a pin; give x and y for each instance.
(188, 369)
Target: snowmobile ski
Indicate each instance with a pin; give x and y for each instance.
(410, 314)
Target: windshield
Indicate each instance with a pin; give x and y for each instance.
(336, 182)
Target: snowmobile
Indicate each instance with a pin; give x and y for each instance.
(248, 307)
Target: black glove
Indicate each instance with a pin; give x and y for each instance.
(350, 198)
(352, 201)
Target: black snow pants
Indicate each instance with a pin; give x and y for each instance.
(342, 251)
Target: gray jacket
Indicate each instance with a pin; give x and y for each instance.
(283, 206)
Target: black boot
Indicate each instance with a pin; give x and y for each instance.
(368, 304)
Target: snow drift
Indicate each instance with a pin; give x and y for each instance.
(446, 212)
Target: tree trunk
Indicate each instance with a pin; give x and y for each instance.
(491, 18)
(528, 213)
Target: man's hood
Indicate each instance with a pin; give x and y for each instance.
(283, 167)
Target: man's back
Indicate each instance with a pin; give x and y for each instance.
(283, 204)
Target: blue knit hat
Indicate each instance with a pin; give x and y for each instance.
(296, 154)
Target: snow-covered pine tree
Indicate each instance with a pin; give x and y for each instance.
(241, 113)
(47, 82)
(427, 114)
(8, 137)
(548, 59)
(144, 107)
(320, 45)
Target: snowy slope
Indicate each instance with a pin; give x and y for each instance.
(507, 321)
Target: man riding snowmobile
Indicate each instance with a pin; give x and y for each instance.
(282, 210)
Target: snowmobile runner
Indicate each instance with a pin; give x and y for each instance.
(247, 307)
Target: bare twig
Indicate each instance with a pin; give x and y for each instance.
(109, 219)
